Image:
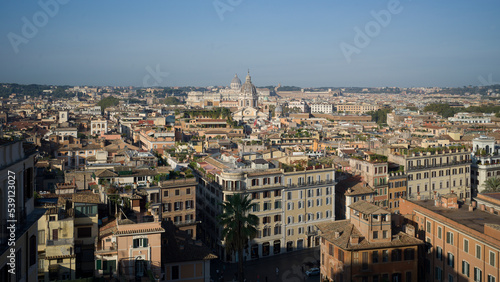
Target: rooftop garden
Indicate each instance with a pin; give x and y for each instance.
(172, 175)
(376, 158)
(299, 133)
(434, 150)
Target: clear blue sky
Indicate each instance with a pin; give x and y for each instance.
(428, 43)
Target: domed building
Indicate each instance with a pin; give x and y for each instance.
(247, 103)
(235, 83)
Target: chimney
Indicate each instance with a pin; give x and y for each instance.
(482, 207)
(354, 240)
(337, 234)
(474, 204)
(492, 210)
(148, 184)
(471, 208)
(418, 196)
(437, 202)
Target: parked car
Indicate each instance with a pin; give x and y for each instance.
(312, 272)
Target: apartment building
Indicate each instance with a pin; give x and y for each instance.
(178, 200)
(56, 245)
(365, 248)
(18, 244)
(471, 118)
(300, 105)
(462, 240)
(322, 108)
(435, 171)
(98, 127)
(485, 162)
(374, 170)
(396, 190)
(66, 238)
(157, 141)
(288, 203)
(356, 108)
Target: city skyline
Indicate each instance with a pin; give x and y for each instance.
(172, 43)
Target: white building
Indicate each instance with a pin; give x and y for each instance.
(98, 126)
(301, 105)
(66, 131)
(485, 161)
(63, 117)
(471, 118)
(322, 108)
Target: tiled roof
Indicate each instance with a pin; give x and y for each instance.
(367, 208)
(86, 198)
(137, 231)
(347, 229)
(60, 257)
(106, 173)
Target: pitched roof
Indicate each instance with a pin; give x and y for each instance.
(367, 208)
(346, 230)
(86, 198)
(106, 173)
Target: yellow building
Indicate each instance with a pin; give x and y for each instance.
(288, 201)
(66, 238)
(56, 245)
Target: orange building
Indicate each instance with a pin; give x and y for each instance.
(178, 198)
(364, 248)
(463, 243)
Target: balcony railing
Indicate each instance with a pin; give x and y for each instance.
(311, 183)
(428, 166)
(107, 249)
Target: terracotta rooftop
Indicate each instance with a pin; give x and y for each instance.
(464, 218)
(346, 230)
(86, 198)
(136, 231)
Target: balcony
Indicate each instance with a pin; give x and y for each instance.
(430, 166)
(312, 183)
(61, 242)
(108, 249)
(312, 233)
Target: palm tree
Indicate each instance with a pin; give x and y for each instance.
(491, 184)
(239, 226)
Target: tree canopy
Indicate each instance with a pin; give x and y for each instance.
(380, 116)
(491, 184)
(239, 226)
(108, 102)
